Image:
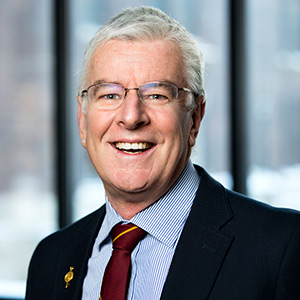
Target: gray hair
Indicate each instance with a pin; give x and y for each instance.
(148, 23)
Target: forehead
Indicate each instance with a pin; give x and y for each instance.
(137, 62)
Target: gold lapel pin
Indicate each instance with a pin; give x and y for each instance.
(68, 277)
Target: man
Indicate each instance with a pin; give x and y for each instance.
(140, 105)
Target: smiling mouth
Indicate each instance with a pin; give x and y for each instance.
(133, 148)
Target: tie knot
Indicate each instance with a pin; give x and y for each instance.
(126, 236)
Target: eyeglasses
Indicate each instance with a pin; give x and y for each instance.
(110, 95)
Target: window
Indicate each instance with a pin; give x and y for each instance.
(27, 198)
(273, 39)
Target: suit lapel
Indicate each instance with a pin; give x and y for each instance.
(77, 257)
(202, 246)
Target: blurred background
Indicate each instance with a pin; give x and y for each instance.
(249, 139)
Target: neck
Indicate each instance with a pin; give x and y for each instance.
(128, 205)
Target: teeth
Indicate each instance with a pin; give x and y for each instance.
(132, 146)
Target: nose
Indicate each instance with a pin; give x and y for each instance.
(132, 113)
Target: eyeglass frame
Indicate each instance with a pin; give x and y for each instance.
(86, 91)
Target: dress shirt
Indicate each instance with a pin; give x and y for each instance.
(151, 258)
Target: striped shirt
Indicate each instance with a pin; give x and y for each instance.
(151, 258)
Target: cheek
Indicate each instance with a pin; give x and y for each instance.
(97, 123)
(184, 124)
(176, 127)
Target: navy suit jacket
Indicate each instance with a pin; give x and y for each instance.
(231, 247)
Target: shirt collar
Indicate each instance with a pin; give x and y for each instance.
(165, 218)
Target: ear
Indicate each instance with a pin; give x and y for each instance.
(81, 122)
(197, 116)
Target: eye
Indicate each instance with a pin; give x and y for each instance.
(107, 92)
(157, 97)
(110, 97)
(157, 93)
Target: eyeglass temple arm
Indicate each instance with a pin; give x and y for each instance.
(189, 91)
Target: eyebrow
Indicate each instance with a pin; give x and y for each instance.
(100, 81)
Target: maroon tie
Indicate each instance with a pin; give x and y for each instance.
(116, 276)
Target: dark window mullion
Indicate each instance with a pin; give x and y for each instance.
(63, 180)
(237, 60)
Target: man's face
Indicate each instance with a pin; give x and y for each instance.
(167, 132)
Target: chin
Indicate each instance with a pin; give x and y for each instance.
(134, 189)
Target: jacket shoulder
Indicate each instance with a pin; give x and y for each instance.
(73, 232)
(246, 208)
(263, 213)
